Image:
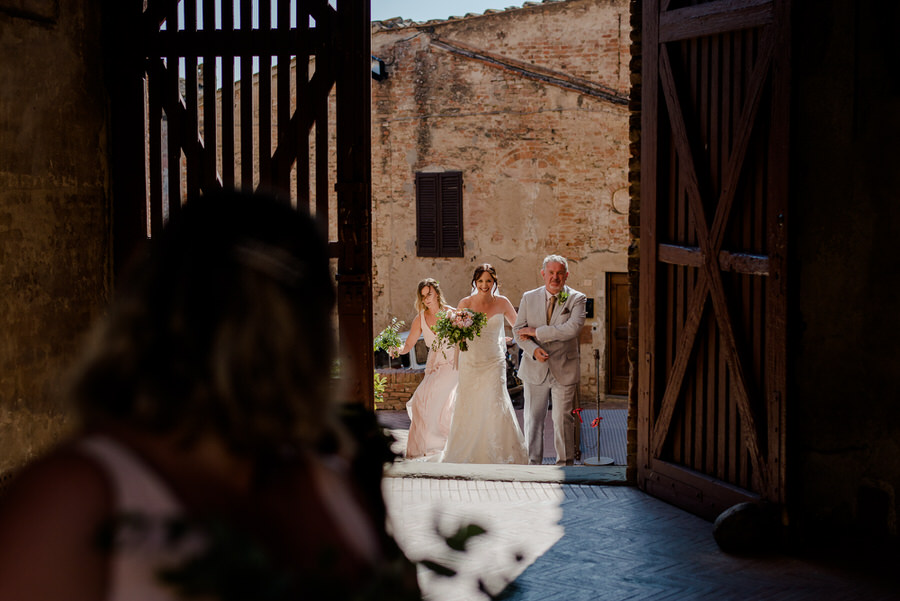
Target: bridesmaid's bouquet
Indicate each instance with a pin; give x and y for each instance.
(388, 338)
(457, 326)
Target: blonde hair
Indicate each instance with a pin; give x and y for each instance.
(436, 286)
(223, 328)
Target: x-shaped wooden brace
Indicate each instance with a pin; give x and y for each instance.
(195, 151)
(709, 282)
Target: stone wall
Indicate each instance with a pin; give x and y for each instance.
(545, 166)
(54, 218)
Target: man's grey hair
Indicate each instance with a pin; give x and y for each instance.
(555, 259)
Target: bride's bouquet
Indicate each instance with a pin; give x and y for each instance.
(457, 326)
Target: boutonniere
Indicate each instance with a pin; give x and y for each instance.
(562, 297)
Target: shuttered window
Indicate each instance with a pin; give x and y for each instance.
(439, 214)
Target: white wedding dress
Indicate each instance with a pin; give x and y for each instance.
(484, 428)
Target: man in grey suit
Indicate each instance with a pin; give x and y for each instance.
(549, 321)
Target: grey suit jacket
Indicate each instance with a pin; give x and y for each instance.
(559, 338)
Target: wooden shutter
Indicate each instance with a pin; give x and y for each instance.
(427, 214)
(439, 214)
(451, 243)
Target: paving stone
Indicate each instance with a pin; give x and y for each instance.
(579, 542)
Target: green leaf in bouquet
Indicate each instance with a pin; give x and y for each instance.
(388, 338)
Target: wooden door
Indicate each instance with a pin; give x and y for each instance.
(261, 96)
(711, 389)
(617, 333)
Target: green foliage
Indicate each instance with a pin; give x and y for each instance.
(438, 568)
(380, 383)
(233, 568)
(457, 544)
(388, 337)
(232, 565)
(461, 537)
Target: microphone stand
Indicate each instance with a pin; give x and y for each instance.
(597, 459)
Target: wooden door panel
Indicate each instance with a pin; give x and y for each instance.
(712, 252)
(617, 333)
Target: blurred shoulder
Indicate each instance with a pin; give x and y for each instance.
(65, 480)
(50, 519)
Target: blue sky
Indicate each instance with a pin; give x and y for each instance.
(423, 10)
(417, 10)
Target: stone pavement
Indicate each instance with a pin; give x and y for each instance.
(579, 534)
(578, 542)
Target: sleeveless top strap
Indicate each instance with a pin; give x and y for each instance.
(143, 511)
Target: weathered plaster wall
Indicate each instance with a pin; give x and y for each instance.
(844, 437)
(544, 168)
(53, 213)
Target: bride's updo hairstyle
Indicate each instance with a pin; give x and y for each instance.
(420, 302)
(486, 267)
(224, 327)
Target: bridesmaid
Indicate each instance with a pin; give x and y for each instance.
(431, 407)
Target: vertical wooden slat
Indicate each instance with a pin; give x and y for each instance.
(322, 140)
(715, 118)
(649, 244)
(776, 234)
(282, 183)
(709, 107)
(725, 412)
(714, 449)
(192, 127)
(722, 467)
(732, 431)
(210, 116)
(354, 213)
(173, 96)
(301, 87)
(154, 131)
(701, 76)
(228, 100)
(247, 154)
(265, 102)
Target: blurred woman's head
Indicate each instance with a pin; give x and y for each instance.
(224, 328)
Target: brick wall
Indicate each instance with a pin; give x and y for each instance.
(400, 386)
(545, 166)
(531, 105)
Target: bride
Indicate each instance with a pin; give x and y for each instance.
(484, 428)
